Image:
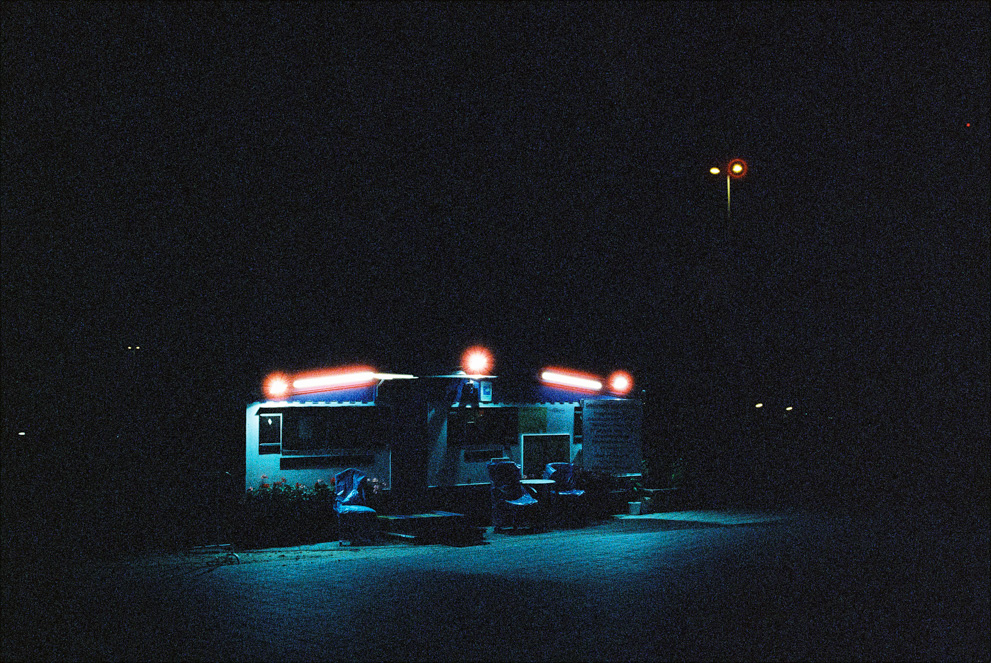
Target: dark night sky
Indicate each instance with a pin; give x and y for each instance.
(244, 187)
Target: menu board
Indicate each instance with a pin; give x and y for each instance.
(611, 440)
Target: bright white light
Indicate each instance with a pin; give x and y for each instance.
(476, 361)
(568, 380)
(620, 383)
(21, 433)
(788, 409)
(714, 170)
(276, 386)
(760, 405)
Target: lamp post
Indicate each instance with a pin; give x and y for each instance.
(735, 170)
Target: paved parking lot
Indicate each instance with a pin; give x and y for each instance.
(687, 585)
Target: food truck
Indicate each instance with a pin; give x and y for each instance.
(416, 433)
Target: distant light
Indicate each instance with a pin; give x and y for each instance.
(354, 377)
(737, 168)
(571, 380)
(21, 433)
(476, 361)
(760, 405)
(714, 170)
(968, 124)
(620, 383)
(788, 409)
(276, 386)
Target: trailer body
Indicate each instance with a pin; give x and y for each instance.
(429, 428)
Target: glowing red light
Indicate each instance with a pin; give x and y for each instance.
(476, 361)
(737, 168)
(276, 386)
(560, 377)
(968, 124)
(620, 383)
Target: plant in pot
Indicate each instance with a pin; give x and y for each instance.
(640, 493)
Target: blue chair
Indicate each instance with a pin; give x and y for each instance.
(512, 505)
(356, 521)
(568, 501)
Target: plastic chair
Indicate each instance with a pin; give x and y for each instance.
(512, 505)
(568, 500)
(356, 521)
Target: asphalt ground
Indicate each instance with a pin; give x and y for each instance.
(700, 585)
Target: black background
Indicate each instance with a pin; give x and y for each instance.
(240, 188)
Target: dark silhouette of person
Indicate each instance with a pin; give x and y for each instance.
(469, 394)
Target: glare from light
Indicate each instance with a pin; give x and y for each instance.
(394, 376)
(788, 409)
(476, 361)
(760, 405)
(21, 433)
(276, 386)
(620, 383)
(737, 168)
(571, 380)
(714, 170)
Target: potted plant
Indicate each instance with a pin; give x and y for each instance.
(641, 502)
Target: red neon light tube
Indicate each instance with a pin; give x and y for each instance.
(571, 380)
(333, 380)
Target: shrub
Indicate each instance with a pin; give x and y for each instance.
(283, 514)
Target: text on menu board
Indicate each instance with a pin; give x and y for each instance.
(611, 436)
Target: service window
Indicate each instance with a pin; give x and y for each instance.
(314, 431)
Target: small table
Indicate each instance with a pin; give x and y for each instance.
(542, 485)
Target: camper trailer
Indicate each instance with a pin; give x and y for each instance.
(417, 433)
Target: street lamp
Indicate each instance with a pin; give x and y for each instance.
(735, 170)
